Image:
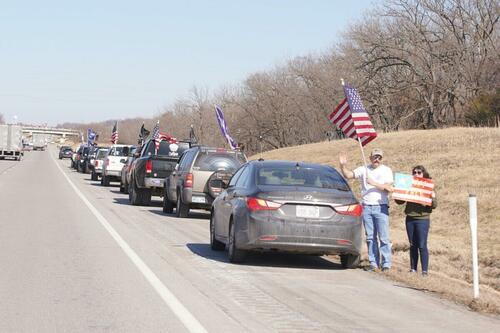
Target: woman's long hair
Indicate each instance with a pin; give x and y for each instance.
(425, 174)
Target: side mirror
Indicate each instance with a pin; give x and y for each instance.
(123, 160)
(176, 167)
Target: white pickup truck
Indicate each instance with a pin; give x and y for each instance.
(113, 163)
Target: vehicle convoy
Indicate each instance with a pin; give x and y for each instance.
(65, 152)
(98, 163)
(152, 166)
(287, 206)
(39, 141)
(11, 143)
(125, 174)
(199, 178)
(113, 163)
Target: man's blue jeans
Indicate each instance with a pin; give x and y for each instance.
(376, 222)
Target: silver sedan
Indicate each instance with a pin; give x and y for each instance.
(287, 206)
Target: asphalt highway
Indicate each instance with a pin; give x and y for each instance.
(76, 257)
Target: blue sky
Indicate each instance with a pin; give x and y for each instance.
(87, 61)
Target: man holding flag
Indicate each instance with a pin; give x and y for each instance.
(351, 117)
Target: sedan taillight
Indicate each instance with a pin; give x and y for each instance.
(255, 204)
(352, 210)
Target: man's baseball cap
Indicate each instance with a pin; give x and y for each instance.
(377, 151)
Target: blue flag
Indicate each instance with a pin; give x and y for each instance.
(223, 128)
(91, 136)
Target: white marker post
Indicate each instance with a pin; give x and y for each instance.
(473, 230)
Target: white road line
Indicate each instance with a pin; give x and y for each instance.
(189, 321)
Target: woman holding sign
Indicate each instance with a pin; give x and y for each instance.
(418, 221)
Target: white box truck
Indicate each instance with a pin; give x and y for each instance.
(39, 141)
(11, 145)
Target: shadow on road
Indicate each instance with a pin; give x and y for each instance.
(284, 260)
(121, 201)
(192, 215)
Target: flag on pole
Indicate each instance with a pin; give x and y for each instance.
(223, 128)
(91, 137)
(143, 134)
(156, 134)
(114, 134)
(413, 189)
(351, 117)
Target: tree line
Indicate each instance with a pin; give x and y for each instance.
(417, 64)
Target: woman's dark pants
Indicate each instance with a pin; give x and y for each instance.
(417, 230)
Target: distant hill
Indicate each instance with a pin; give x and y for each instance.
(461, 161)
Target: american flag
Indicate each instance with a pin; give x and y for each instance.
(223, 128)
(156, 134)
(351, 117)
(114, 134)
(413, 189)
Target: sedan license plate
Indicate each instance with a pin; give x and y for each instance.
(198, 199)
(307, 211)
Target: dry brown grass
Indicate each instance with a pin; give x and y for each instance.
(461, 161)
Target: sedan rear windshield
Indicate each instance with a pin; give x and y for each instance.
(213, 161)
(321, 177)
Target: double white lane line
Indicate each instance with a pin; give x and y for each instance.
(189, 321)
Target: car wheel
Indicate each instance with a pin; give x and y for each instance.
(181, 209)
(122, 188)
(235, 255)
(146, 196)
(168, 207)
(93, 176)
(105, 180)
(125, 188)
(349, 260)
(130, 193)
(214, 243)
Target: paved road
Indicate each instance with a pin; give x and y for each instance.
(80, 259)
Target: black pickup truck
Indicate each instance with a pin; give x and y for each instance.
(149, 170)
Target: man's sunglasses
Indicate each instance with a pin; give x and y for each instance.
(376, 157)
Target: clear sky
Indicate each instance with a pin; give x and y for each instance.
(92, 60)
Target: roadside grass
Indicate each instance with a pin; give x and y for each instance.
(461, 161)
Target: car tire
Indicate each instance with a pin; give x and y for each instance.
(122, 188)
(105, 180)
(146, 196)
(134, 195)
(93, 176)
(125, 188)
(349, 260)
(235, 255)
(168, 206)
(181, 209)
(214, 243)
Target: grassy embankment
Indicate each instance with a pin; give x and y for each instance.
(461, 161)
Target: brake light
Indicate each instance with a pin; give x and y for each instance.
(352, 210)
(96, 163)
(149, 166)
(189, 180)
(255, 204)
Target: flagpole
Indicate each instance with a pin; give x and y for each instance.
(360, 145)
